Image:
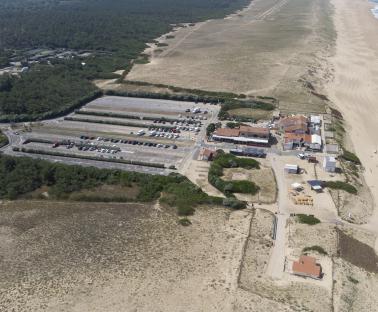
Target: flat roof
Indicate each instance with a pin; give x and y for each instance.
(242, 139)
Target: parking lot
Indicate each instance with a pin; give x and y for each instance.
(121, 129)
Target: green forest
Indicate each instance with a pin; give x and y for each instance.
(115, 32)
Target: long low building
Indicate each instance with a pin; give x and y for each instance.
(243, 135)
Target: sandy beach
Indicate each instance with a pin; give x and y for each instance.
(265, 50)
(354, 89)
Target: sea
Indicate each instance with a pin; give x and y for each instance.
(375, 10)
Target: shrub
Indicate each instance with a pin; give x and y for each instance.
(210, 129)
(349, 156)
(3, 139)
(233, 125)
(244, 187)
(352, 280)
(341, 185)
(307, 219)
(184, 222)
(316, 248)
(234, 203)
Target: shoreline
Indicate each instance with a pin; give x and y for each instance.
(354, 87)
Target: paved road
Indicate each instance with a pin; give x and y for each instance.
(277, 258)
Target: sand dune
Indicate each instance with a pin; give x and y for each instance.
(355, 86)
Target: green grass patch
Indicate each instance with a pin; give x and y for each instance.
(307, 219)
(341, 185)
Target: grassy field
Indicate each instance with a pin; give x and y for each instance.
(256, 114)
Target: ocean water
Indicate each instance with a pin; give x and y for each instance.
(375, 10)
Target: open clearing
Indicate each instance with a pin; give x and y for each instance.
(256, 114)
(275, 47)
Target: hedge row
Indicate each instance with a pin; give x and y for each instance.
(210, 95)
(126, 116)
(68, 142)
(106, 114)
(113, 122)
(60, 154)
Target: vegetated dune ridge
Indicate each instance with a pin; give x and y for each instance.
(354, 89)
(273, 47)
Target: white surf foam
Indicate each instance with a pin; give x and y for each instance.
(375, 10)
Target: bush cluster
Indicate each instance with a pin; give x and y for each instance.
(229, 187)
(20, 175)
(349, 156)
(341, 185)
(316, 248)
(307, 219)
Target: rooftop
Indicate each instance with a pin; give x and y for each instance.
(297, 137)
(307, 266)
(227, 132)
(292, 123)
(257, 130)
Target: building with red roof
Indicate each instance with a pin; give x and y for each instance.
(308, 267)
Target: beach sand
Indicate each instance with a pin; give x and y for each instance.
(354, 89)
(274, 47)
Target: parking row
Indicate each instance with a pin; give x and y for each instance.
(131, 142)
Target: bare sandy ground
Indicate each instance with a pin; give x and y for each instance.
(118, 257)
(272, 48)
(355, 86)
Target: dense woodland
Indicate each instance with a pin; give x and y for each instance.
(115, 31)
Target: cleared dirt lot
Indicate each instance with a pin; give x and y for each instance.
(275, 47)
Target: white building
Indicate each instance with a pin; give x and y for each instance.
(316, 142)
(291, 168)
(315, 120)
(329, 164)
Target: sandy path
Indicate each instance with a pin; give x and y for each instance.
(277, 257)
(355, 87)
